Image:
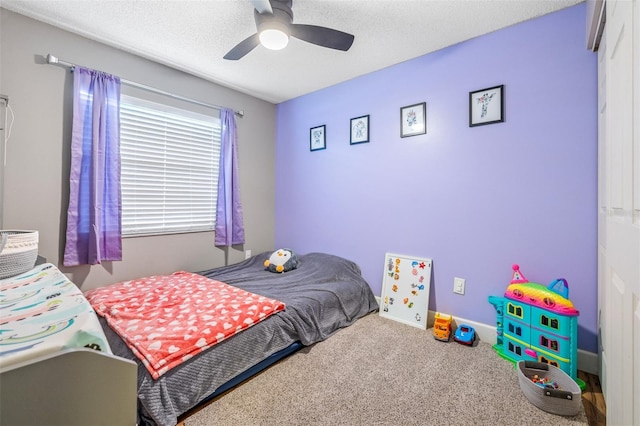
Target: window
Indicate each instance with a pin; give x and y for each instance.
(513, 329)
(515, 349)
(548, 361)
(549, 322)
(514, 310)
(551, 344)
(169, 169)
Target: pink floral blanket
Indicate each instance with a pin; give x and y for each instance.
(167, 319)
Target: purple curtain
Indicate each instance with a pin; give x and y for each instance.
(229, 225)
(93, 217)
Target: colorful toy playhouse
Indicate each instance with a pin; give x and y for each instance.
(537, 323)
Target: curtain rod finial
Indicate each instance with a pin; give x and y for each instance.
(52, 59)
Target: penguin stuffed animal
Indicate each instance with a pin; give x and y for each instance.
(281, 260)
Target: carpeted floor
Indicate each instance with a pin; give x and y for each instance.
(381, 372)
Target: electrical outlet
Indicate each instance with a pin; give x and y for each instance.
(458, 285)
(247, 254)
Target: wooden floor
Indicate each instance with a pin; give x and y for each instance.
(593, 400)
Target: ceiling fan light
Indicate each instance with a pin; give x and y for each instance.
(274, 39)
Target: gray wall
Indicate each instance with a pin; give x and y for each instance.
(38, 152)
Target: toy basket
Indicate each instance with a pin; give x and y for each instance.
(18, 252)
(565, 401)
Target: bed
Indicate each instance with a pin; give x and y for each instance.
(323, 294)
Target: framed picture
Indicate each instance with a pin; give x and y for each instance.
(360, 129)
(318, 138)
(413, 120)
(486, 106)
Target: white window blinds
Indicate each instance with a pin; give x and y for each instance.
(169, 172)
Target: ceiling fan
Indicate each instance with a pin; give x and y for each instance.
(274, 20)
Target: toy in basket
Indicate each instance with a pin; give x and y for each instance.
(549, 388)
(18, 252)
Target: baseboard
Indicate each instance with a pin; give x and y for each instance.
(587, 361)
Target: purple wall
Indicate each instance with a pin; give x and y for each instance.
(475, 200)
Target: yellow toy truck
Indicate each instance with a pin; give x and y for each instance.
(442, 327)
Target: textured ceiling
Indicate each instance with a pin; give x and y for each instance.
(194, 35)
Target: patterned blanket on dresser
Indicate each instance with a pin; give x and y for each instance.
(42, 312)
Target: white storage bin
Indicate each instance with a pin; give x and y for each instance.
(18, 252)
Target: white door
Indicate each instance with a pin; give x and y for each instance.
(619, 213)
(602, 209)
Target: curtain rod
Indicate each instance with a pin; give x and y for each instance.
(57, 61)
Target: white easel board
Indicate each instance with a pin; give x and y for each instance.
(405, 289)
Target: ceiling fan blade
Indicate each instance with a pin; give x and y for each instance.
(242, 48)
(262, 6)
(322, 36)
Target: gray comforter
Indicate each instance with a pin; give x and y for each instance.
(324, 294)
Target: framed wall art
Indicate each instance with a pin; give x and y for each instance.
(405, 289)
(359, 130)
(413, 120)
(486, 106)
(318, 138)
